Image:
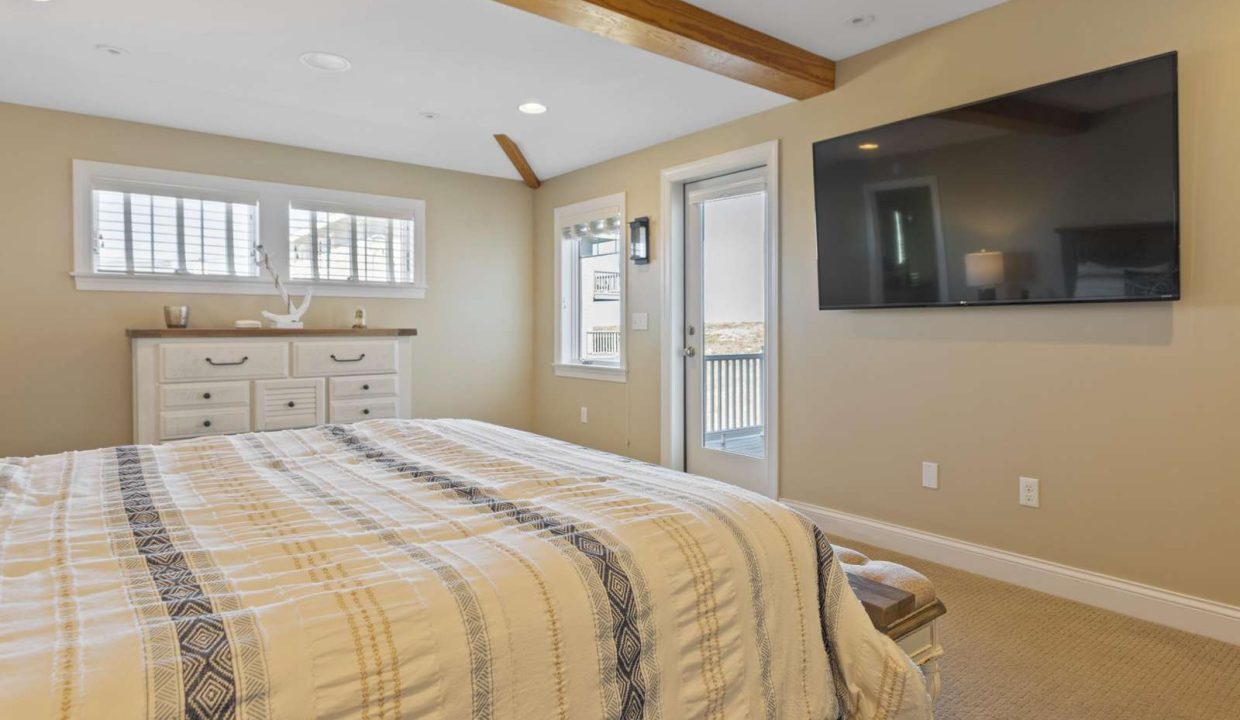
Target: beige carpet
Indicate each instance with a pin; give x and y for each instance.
(1014, 654)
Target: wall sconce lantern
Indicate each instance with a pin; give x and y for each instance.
(639, 240)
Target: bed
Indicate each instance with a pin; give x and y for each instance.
(1137, 260)
(420, 569)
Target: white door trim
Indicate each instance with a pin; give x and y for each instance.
(872, 189)
(672, 369)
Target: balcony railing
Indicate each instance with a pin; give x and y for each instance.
(603, 343)
(734, 400)
(606, 286)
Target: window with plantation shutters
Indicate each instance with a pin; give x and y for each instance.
(172, 233)
(146, 229)
(329, 244)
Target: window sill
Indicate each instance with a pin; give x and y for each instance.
(236, 286)
(608, 373)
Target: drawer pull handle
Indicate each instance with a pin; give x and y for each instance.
(206, 423)
(359, 358)
(206, 396)
(365, 387)
(292, 404)
(366, 411)
(225, 364)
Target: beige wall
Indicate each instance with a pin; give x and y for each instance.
(64, 360)
(1129, 414)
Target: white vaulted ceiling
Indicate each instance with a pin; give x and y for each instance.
(231, 67)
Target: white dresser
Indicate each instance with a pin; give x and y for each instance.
(195, 382)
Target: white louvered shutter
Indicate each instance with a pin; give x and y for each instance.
(331, 244)
(140, 230)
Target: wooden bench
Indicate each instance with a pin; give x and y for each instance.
(905, 616)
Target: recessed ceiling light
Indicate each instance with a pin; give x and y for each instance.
(860, 21)
(42, 1)
(532, 108)
(325, 61)
(111, 49)
(429, 115)
(868, 146)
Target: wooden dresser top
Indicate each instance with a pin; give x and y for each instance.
(227, 332)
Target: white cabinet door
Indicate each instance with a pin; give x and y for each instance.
(222, 361)
(208, 421)
(344, 357)
(203, 395)
(286, 404)
(366, 386)
(348, 411)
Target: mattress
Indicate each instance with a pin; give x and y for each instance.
(420, 569)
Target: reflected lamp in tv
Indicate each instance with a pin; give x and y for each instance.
(984, 270)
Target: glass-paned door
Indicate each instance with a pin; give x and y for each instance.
(725, 328)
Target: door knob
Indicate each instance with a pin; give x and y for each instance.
(689, 351)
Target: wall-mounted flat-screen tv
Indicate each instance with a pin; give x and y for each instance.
(1063, 193)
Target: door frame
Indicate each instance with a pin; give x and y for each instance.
(871, 191)
(672, 183)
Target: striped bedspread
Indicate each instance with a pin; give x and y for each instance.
(419, 569)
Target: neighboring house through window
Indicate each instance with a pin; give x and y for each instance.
(329, 244)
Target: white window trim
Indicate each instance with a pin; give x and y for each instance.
(564, 267)
(272, 231)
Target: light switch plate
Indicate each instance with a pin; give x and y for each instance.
(641, 321)
(930, 475)
(585, 414)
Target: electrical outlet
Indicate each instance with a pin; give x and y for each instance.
(1029, 492)
(585, 414)
(641, 321)
(930, 475)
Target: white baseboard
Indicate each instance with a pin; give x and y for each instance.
(1165, 607)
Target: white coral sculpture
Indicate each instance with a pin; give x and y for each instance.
(293, 317)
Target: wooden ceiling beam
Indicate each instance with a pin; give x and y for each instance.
(689, 34)
(1024, 116)
(518, 161)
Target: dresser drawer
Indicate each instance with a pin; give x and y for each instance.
(286, 404)
(203, 395)
(343, 388)
(357, 357)
(230, 361)
(347, 411)
(190, 423)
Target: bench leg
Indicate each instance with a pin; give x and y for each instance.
(930, 669)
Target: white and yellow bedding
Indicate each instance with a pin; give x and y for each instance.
(419, 569)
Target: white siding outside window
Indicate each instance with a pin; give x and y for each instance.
(143, 229)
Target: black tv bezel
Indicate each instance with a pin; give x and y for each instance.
(1174, 55)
